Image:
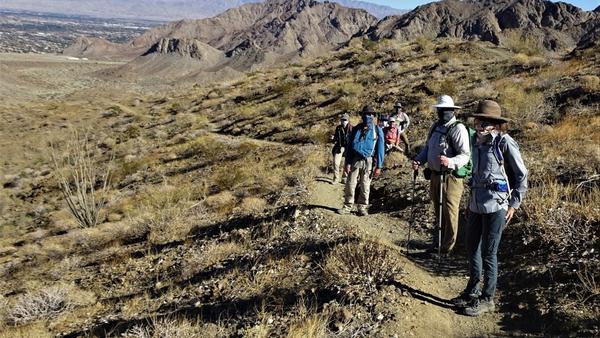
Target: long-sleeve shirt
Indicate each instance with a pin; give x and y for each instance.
(487, 169)
(403, 121)
(341, 134)
(453, 142)
(364, 143)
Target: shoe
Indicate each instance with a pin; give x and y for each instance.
(464, 299)
(344, 211)
(363, 212)
(480, 306)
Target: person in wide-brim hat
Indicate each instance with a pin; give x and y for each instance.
(491, 111)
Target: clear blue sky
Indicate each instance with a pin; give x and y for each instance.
(410, 4)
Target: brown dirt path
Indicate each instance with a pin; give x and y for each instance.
(422, 310)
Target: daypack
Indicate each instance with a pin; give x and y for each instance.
(467, 169)
(361, 140)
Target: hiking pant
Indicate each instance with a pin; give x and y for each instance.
(453, 189)
(406, 143)
(337, 165)
(483, 238)
(360, 174)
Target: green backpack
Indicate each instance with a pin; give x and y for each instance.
(467, 169)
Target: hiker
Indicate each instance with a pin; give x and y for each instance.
(340, 138)
(382, 121)
(447, 151)
(393, 137)
(498, 186)
(403, 122)
(365, 152)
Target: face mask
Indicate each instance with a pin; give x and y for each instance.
(367, 119)
(486, 135)
(344, 123)
(445, 115)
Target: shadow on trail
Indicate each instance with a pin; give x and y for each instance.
(446, 266)
(317, 206)
(424, 296)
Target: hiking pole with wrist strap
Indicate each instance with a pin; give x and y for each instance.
(412, 208)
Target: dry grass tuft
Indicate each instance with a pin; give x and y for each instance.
(365, 265)
(590, 83)
(522, 44)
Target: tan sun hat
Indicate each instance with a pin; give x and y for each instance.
(489, 110)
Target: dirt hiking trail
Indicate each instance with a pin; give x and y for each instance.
(426, 286)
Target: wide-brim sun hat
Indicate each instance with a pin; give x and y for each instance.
(392, 119)
(489, 110)
(345, 117)
(446, 101)
(398, 105)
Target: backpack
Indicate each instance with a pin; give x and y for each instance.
(467, 169)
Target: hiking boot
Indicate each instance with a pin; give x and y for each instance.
(480, 306)
(362, 211)
(464, 299)
(345, 210)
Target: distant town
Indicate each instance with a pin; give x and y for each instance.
(41, 33)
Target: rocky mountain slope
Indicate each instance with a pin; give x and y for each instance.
(559, 26)
(161, 9)
(252, 35)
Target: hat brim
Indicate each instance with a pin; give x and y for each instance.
(445, 106)
(488, 117)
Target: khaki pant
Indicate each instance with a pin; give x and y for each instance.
(360, 174)
(453, 190)
(338, 165)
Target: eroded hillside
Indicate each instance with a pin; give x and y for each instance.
(213, 228)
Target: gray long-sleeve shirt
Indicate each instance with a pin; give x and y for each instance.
(439, 143)
(487, 170)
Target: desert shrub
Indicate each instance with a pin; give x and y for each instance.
(444, 57)
(484, 91)
(252, 205)
(590, 83)
(207, 147)
(519, 43)
(521, 103)
(222, 202)
(424, 44)
(369, 44)
(226, 178)
(363, 265)
(565, 219)
(311, 326)
(443, 87)
(83, 182)
(284, 87)
(132, 132)
(169, 327)
(41, 304)
(171, 211)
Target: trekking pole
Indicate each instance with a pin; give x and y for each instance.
(440, 209)
(412, 209)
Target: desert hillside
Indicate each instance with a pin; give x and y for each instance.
(185, 209)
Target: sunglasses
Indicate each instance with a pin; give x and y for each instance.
(483, 124)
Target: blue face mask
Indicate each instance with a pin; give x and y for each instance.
(367, 119)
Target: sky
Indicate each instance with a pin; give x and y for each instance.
(409, 4)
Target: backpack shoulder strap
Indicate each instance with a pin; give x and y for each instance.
(500, 149)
